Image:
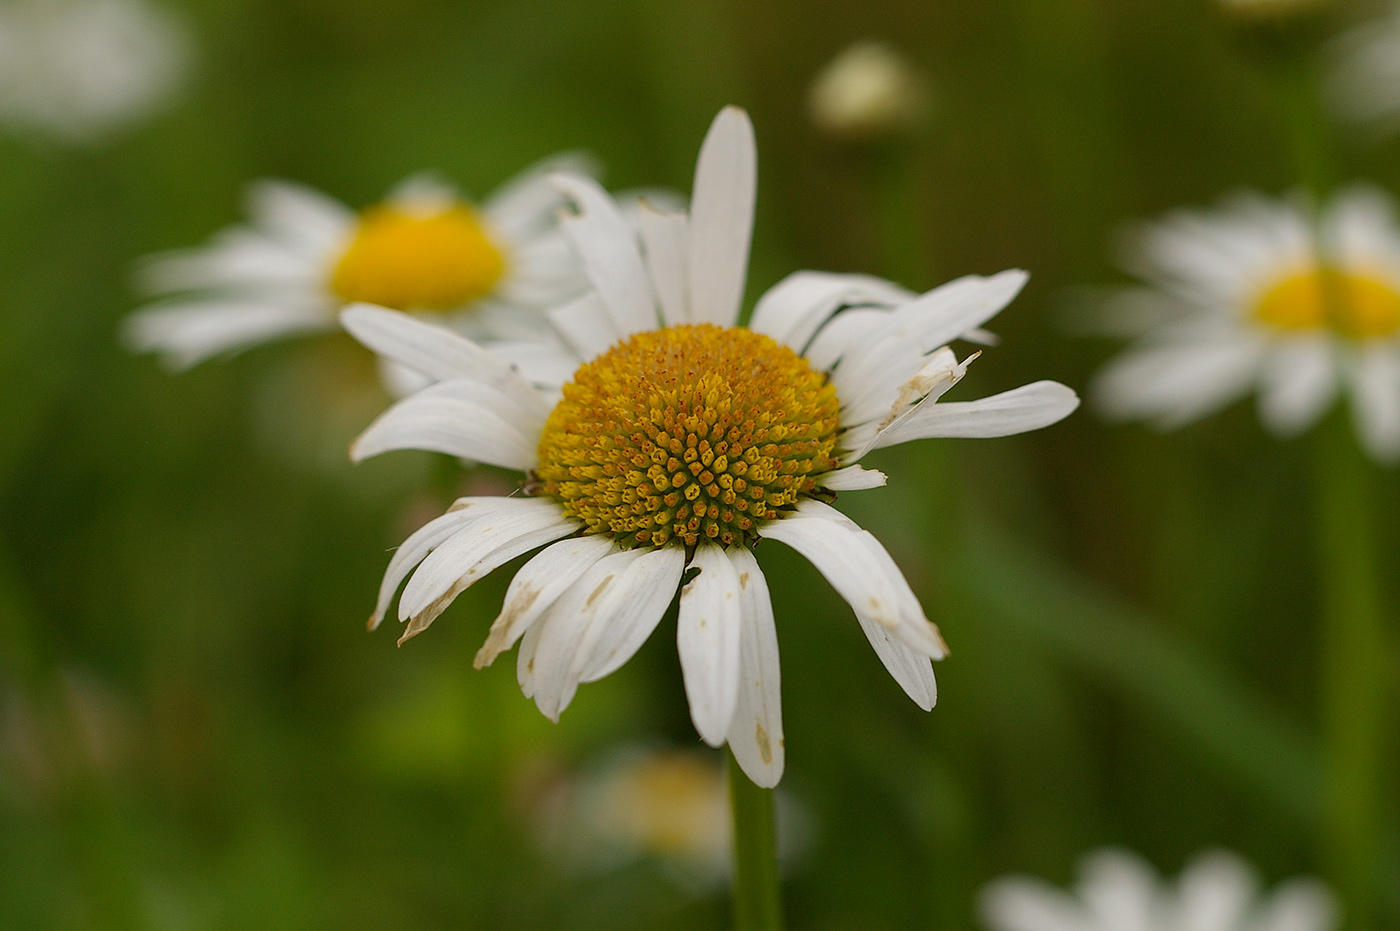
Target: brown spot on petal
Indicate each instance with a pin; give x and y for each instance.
(765, 750)
(598, 591)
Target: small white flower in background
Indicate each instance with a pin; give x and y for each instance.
(1118, 891)
(668, 805)
(1246, 297)
(662, 440)
(79, 70)
(869, 92)
(1364, 84)
(304, 256)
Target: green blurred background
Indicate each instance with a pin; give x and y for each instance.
(195, 729)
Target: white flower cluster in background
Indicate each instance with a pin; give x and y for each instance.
(1119, 891)
(79, 71)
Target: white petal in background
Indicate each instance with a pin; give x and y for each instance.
(186, 334)
(79, 71)
(1376, 394)
(1298, 382)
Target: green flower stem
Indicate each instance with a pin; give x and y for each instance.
(1354, 652)
(757, 905)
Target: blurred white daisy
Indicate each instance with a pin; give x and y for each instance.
(679, 441)
(1364, 84)
(671, 806)
(1248, 296)
(1118, 891)
(304, 256)
(79, 70)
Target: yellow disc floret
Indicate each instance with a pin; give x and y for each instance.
(1355, 306)
(418, 260)
(686, 434)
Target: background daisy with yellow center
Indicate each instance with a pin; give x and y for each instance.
(486, 270)
(1250, 296)
(665, 440)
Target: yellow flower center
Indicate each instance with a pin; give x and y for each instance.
(1356, 306)
(418, 261)
(686, 434)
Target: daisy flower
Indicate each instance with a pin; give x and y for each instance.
(1118, 891)
(78, 70)
(1249, 296)
(666, 440)
(305, 256)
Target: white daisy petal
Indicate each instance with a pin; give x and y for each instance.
(240, 261)
(529, 203)
(1298, 905)
(627, 613)
(666, 238)
(756, 729)
(794, 309)
(585, 326)
(887, 356)
(851, 478)
(1216, 892)
(607, 245)
(911, 669)
(1376, 388)
(422, 542)
(708, 638)
(721, 218)
(186, 334)
(1029, 407)
(542, 273)
(1120, 890)
(1175, 384)
(305, 220)
(433, 350)
(477, 547)
(1297, 383)
(546, 366)
(841, 332)
(525, 658)
(431, 421)
(537, 585)
(1016, 903)
(860, 569)
(874, 411)
(564, 627)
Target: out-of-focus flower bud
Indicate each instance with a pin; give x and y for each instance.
(869, 92)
